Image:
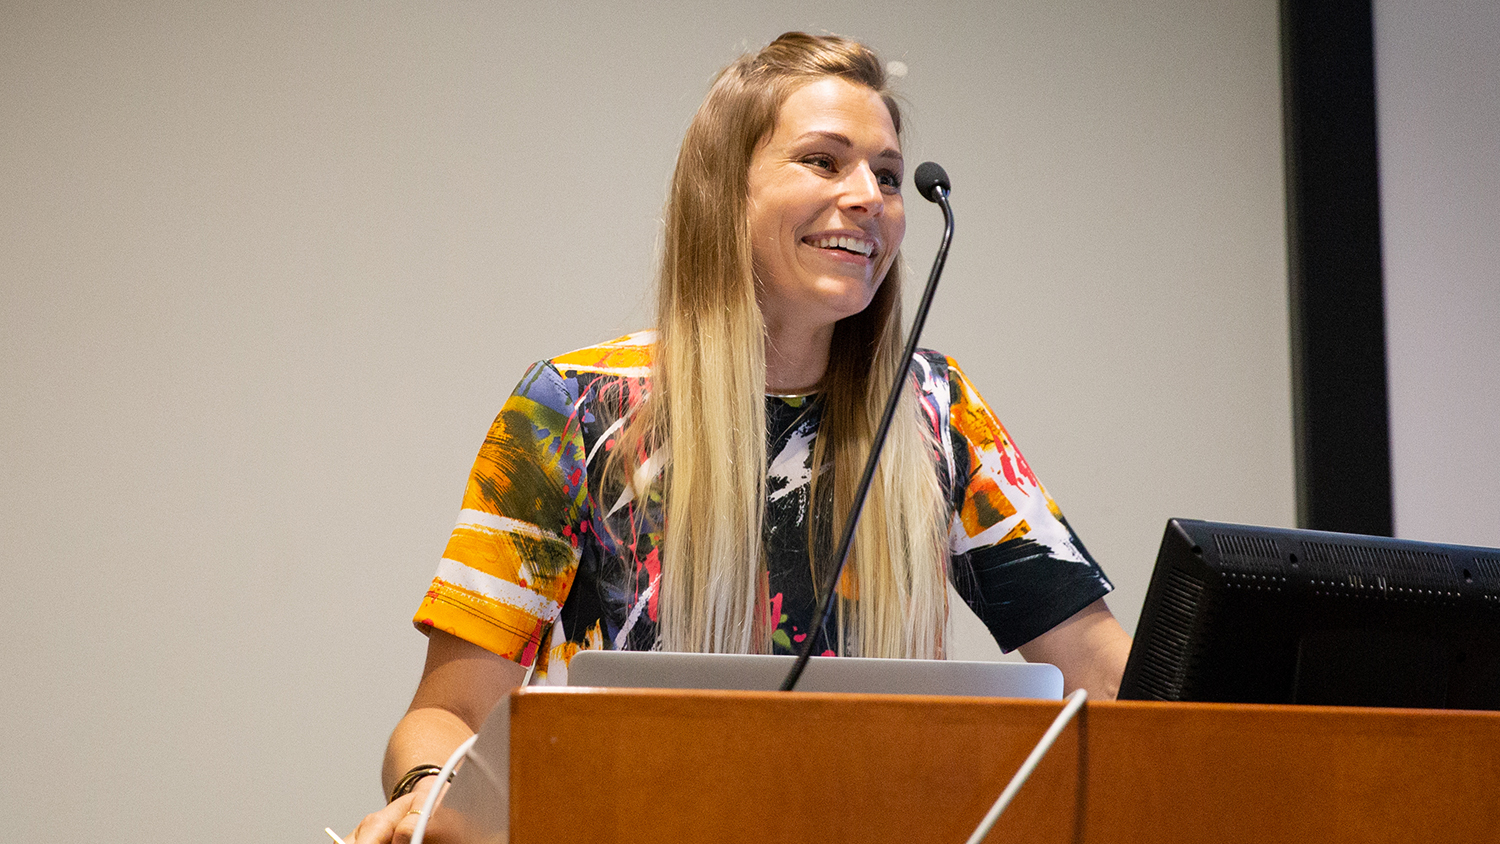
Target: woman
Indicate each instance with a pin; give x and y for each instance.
(659, 490)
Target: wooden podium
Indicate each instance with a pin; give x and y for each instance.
(706, 766)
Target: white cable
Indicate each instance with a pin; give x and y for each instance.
(442, 778)
(1075, 702)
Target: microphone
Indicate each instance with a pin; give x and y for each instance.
(929, 178)
(932, 183)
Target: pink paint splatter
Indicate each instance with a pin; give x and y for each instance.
(1008, 466)
(528, 655)
(1026, 468)
(653, 571)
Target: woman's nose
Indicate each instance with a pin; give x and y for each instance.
(862, 191)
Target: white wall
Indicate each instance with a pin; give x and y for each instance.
(269, 269)
(1438, 78)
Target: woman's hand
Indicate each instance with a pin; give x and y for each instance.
(398, 820)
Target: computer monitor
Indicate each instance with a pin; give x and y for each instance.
(1244, 614)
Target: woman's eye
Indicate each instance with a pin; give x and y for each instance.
(890, 180)
(822, 162)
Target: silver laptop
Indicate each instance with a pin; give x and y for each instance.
(481, 792)
(763, 672)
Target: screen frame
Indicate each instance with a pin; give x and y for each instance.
(1249, 614)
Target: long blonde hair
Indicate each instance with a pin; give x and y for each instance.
(705, 415)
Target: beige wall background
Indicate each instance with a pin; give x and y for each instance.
(270, 268)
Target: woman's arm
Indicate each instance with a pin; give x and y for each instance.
(1091, 649)
(461, 683)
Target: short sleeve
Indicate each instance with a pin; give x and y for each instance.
(513, 554)
(1016, 561)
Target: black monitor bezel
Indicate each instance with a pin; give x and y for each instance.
(1248, 614)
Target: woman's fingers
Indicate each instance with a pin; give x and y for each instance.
(383, 827)
(396, 823)
(406, 825)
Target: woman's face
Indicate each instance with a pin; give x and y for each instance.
(825, 209)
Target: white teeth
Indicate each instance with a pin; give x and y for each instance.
(852, 244)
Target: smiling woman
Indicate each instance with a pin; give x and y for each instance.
(826, 220)
(678, 489)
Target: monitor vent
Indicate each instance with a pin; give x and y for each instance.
(1163, 670)
(1249, 562)
(1488, 568)
(1234, 545)
(1396, 565)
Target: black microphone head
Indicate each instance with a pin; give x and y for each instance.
(930, 176)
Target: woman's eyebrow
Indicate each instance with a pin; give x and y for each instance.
(843, 140)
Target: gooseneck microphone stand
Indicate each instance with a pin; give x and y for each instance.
(933, 184)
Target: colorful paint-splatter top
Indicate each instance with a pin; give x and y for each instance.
(546, 561)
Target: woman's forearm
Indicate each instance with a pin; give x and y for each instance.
(425, 736)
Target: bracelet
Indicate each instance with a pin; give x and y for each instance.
(409, 780)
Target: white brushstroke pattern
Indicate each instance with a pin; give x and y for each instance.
(482, 522)
(635, 614)
(791, 465)
(496, 589)
(643, 475)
